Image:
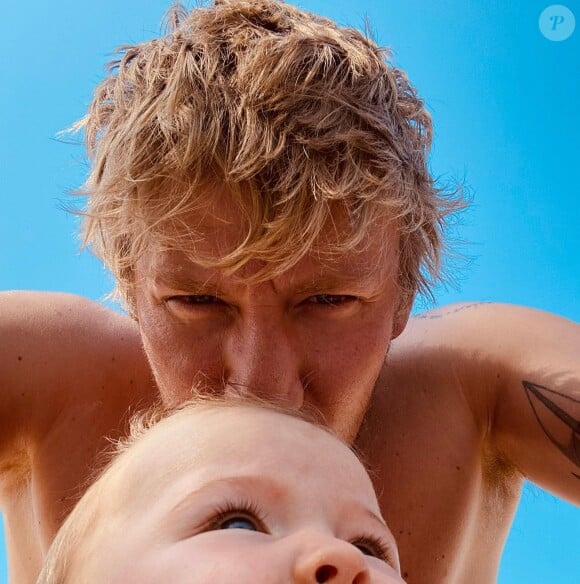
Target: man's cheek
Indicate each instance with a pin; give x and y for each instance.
(186, 366)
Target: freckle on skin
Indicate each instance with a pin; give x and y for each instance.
(458, 467)
(20, 357)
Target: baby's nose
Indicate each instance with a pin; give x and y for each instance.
(330, 560)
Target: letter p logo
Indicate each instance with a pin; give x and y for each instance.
(557, 22)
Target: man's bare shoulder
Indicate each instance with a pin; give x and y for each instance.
(60, 350)
(477, 342)
(46, 330)
(511, 371)
(433, 338)
(476, 329)
(468, 349)
(57, 309)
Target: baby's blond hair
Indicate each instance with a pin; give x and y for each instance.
(294, 115)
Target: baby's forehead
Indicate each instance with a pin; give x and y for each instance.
(204, 456)
(198, 423)
(196, 431)
(201, 438)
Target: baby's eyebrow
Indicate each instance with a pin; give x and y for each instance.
(266, 486)
(372, 515)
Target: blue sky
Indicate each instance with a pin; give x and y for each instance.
(505, 105)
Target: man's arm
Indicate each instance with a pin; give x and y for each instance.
(519, 370)
(59, 352)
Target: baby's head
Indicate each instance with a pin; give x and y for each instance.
(227, 492)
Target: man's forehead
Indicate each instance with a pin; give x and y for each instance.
(176, 269)
(225, 224)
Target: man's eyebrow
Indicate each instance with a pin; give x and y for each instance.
(340, 282)
(185, 282)
(327, 283)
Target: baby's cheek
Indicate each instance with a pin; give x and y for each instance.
(233, 555)
(383, 573)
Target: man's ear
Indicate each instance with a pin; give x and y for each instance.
(402, 315)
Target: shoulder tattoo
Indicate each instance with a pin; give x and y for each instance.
(435, 314)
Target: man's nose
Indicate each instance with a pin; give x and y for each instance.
(330, 560)
(261, 358)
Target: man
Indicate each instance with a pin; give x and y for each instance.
(261, 193)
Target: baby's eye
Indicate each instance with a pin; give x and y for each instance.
(243, 515)
(375, 548)
(239, 523)
(368, 550)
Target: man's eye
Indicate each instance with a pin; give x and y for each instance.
(331, 299)
(195, 299)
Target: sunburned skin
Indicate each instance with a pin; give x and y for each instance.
(237, 494)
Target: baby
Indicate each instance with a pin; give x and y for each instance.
(227, 492)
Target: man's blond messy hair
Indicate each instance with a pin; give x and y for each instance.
(74, 545)
(296, 116)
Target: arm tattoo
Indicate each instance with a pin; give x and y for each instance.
(560, 426)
